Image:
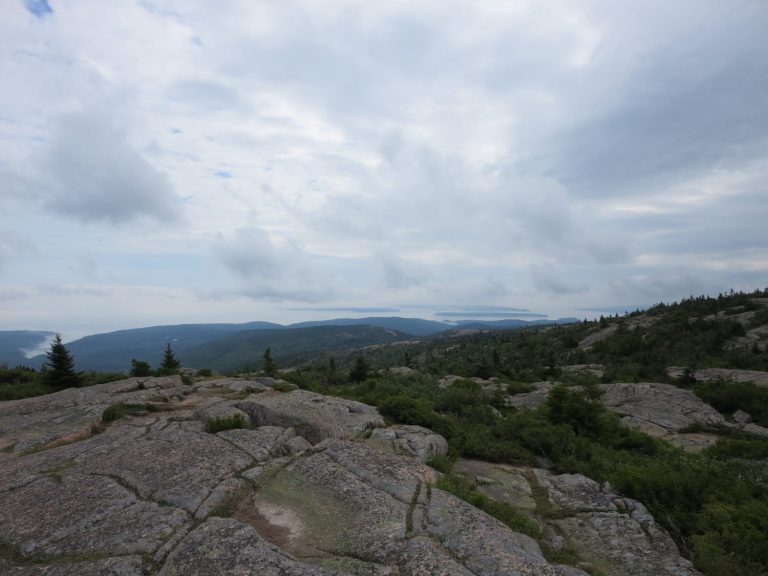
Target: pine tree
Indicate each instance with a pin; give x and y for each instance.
(60, 367)
(360, 370)
(270, 366)
(170, 364)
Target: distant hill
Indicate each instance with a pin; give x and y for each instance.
(289, 346)
(113, 351)
(414, 326)
(14, 345)
(509, 323)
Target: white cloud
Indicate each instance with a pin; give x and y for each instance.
(90, 172)
(382, 154)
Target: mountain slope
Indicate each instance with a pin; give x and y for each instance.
(415, 326)
(114, 350)
(289, 347)
(14, 343)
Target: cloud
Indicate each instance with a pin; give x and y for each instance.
(354, 310)
(688, 97)
(559, 156)
(270, 271)
(92, 173)
(39, 8)
(490, 315)
(14, 247)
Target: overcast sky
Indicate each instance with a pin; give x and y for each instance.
(169, 161)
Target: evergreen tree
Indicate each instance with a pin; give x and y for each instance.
(140, 368)
(270, 366)
(60, 367)
(170, 364)
(360, 371)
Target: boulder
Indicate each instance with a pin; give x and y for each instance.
(659, 409)
(741, 417)
(415, 441)
(314, 416)
(611, 533)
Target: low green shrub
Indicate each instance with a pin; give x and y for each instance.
(117, 411)
(213, 425)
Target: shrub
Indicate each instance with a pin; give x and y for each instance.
(213, 425)
(117, 411)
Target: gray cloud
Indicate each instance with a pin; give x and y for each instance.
(13, 246)
(355, 310)
(270, 271)
(490, 315)
(693, 99)
(92, 173)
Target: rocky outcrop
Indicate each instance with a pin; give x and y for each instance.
(725, 374)
(665, 411)
(593, 370)
(316, 486)
(659, 409)
(534, 399)
(314, 416)
(610, 533)
(415, 441)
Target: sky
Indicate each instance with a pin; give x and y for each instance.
(176, 161)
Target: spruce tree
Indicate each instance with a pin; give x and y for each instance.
(360, 370)
(60, 367)
(270, 366)
(170, 364)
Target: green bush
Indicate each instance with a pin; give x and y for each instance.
(117, 411)
(213, 425)
(727, 397)
(416, 411)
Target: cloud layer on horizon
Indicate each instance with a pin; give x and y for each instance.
(256, 160)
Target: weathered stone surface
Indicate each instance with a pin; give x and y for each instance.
(400, 371)
(597, 336)
(143, 494)
(262, 442)
(234, 385)
(315, 417)
(756, 430)
(415, 441)
(297, 445)
(726, 374)
(621, 546)
(222, 546)
(480, 541)
(218, 409)
(178, 465)
(692, 441)
(564, 570)
(121, 566)
(69, 415)
(534, 399)
(574, 492)
(219, 496)
(741, 417)
(83, 514)
(659, 409)
(594, 370)
(499, 481)
(612, 533)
